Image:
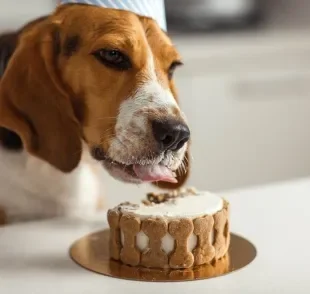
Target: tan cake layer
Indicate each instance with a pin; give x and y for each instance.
(146, 240)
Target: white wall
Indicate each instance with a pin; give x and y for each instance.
(14, 13)
(248, 100)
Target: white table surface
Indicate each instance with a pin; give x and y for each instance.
(276, 218)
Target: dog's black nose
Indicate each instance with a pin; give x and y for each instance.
(170, 134)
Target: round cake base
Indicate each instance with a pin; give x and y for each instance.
(92, 253)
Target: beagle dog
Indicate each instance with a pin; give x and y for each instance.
(84, 88)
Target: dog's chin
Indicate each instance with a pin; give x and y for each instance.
(145, 170)
(139, 173)
(122, 173)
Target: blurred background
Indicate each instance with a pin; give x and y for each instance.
(245, 88)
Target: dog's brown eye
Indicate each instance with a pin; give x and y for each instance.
(172, 68)
(113, 58)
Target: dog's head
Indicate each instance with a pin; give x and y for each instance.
(103, 76)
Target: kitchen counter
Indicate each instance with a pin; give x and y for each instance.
(34, 257)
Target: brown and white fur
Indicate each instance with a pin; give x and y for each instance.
(59, 104)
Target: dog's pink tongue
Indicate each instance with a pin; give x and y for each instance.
(154, 173)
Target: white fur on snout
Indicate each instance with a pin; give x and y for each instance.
(132, 125)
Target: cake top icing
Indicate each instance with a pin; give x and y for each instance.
(186, 203)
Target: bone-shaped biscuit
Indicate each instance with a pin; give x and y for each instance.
(180, 230)
(220, 241)
(115, 236)
(227, 225)
(154, 256)
(204, 251)
(130, 226)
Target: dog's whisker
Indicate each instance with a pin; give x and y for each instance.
(183, 168)
(185, 161)
(96, 127)
(105, 134)
(111, 118)
(106, 137)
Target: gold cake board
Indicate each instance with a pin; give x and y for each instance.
(92, 253)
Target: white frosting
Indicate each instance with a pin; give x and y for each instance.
(142, 241)
(193, 206)
(192, 242)
(167, 242)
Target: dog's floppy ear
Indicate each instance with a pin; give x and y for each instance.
(34, 104)
(8, 42)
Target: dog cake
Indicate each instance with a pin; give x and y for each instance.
(176, 230)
